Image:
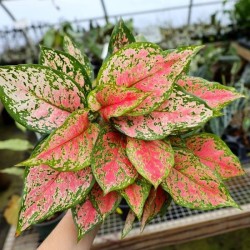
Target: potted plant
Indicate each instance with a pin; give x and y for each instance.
(131, 136)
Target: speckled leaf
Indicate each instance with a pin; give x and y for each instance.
(47, 191)
(117, 100)
(145, 67)
(73, 49)
(120, 37)
(191, 184)
(160, 84)
(179, 113)
(38, 97)
(69, 147)
(66, 63)
(110, 165)
(154, 204)
(86, 217)
(136, 194)
(152, 159)
(104, 204)
(128, 223)
(214, 94)
(93, 104)
(215, 154)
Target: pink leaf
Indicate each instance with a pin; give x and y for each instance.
(38, 97)
(215, 154)
(105, 204)
(136, 194)
(110, 165)
(179, 113)
(128, 223)
(191, 184)
(86, 218)
(154, 204)
(47, 191)
(116, 100)
(69, 147)
(66, 63)
(214, 94)
(152, 159)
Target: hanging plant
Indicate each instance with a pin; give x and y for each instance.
(127, 137)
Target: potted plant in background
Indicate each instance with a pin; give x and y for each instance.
(132, 136)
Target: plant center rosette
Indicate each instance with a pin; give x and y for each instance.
(128, 137)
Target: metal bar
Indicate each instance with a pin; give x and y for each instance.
(189, 11)
(7, 11)
(105, 11)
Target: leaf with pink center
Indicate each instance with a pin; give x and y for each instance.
(120, 37)
(128, 223)
(38, 97)
(177, 114)
(116, 100)
(152, 159)
(136, 195)
(47, 191)
(66, 63)
(69, 147)
(191, 184)
(104, 204)
(74, 50)
(86, 217)
(110, 164)
(214, 94)
(160, 84)
(157, 200)
(215, 154)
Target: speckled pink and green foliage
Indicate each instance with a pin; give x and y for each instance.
(125, 138)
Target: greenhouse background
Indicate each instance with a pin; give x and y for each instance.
(222, 26)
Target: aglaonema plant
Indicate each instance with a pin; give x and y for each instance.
(129, 137)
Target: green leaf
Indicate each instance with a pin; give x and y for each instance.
(47, 191)
(15, 145)
(110, 164)
(176, 115)
(69, 147)
(73, 49)
(85, 217)
(191, 184)
(120, 37)
(66, 63)
(136, 195)
(38, 97)
(152, 159)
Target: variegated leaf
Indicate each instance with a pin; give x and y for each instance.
(160, 84)
(214, 94)
(215, 154)
(191, 184)
(128, 223)
(136, 194)
(47, 191)
(86, 217)
(179, 113)
(38, 97)
(73, 49)
(154, 204)
(120, 37)
(110, 165)
(93, 104)
(69, 147)
(104, 204)
(66, 63)
(117, 100)
(152, 159)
